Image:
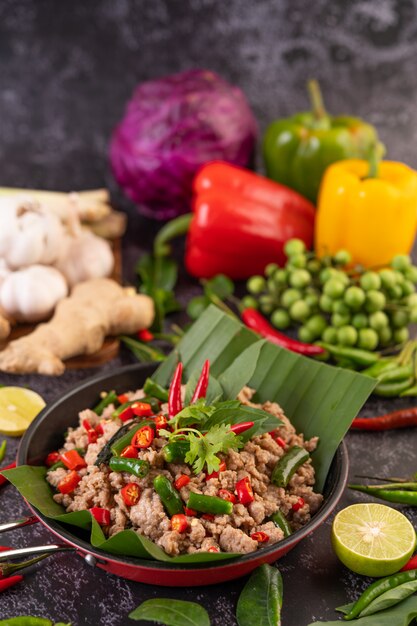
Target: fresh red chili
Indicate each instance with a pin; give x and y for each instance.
(222, 468)
(5, 548)
(225, 494)
(208, 516)
(244, 491)
(255, 321)
(280, 442)
(298, 505)
(238, 429)
(403, 418)
(126, 414)
(182, 481)
(174, 393)
(179, 523)
(213, 549)
(129, 452)
(145, 335)
(141, 409)
(202, 383)
(69, 482)
(92, 434)
(190, 512)
(102, 516)
(123, 398)
(161, 421)
(3, 479)
(52, 458)
(6, 583)
(143, 437)
(130, 494)
(260, 537)
(73, 460)
(411, 564)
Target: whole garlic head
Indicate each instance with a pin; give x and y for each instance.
(85, 256)
(31, 294)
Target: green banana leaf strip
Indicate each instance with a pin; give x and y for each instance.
(402, 614)
(319, 399)
(260, 602)
(30, 482)
(171, 612)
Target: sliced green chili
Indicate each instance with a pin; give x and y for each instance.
(281, 522)
(170, 497)
(151, 388)
(126, 438)
(138, 467)
(288, 465)
(109, 398)
(56, 466)
(105, 453)
(175, 451)
(209, 504)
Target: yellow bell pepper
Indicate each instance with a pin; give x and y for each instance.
(374, 218)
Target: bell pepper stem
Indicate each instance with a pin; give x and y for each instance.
(175, 228)
(316, 99)
(374, 159)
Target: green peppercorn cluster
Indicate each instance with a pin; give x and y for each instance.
(326, 301)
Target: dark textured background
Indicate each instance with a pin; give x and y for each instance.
(66, 71)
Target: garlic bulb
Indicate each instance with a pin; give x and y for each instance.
(31, 294)
(85, 256)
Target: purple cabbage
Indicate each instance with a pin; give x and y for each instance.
(173, 126)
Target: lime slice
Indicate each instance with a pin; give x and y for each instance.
(18, 407)
(373, 539)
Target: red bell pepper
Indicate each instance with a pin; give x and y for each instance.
(240, 222)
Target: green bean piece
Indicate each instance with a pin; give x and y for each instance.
(390, 390)
(281, 522)
(3, 448)
(176, 451)
(109, 398)
(390, 495)
(170, 497)
(138, 467)
(56, 466)
(288, 465)
(360, 357)
(209, 504)
(125, 439)
(378, 588)
(151, 388)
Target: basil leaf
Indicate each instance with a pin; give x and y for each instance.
(171, 613)
(261, 599)
(400, 615)
(220, 286)
(390, 598)
(196, 306)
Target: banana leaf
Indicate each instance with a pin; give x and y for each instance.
(320, 400)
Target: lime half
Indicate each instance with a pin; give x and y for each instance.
(373, 539)
(18, 407)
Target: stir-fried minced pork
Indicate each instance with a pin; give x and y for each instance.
(246, 529)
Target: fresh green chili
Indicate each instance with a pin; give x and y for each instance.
(382, 365)
(138, 467)
(390, 495)
(390, 390)
(109, 398)
(151, 388)
(125, 439)
(281, 522)
(378, 588)
(3, 448)
(360, 357)
(175, 451)
(398, 373)
(288, 465)
(170, 497)
(209, 504)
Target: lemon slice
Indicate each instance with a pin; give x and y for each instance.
(373, 539)
(18, 407)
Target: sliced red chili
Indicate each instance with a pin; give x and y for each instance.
(208, 516)
(179, 523)
(123, 398)
(126, 414)
(161, 421)
(102, 516)
(213, 549)
(52, 458)
(129, 453)
(130, 494)
(190, 512)
(280, 442)
(260, 537)
(182, 481)
(142, 409)
(73, 460)
(145, 335)
(244, 491)
(298, 505)
(225, 494)
(143, 437)
(100, 429)
(69, 482)
(222, 468)
(92, 433)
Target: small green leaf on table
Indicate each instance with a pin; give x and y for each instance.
(260, 602)
(171, 613)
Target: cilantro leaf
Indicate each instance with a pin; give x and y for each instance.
(204, 449)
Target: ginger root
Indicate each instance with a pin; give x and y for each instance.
(95, 308)
(5, 326)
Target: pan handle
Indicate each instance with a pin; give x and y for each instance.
(24, 521)
(15, 553)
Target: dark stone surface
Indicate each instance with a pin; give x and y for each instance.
(66, 71)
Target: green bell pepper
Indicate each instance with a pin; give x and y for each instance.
(298, 149)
